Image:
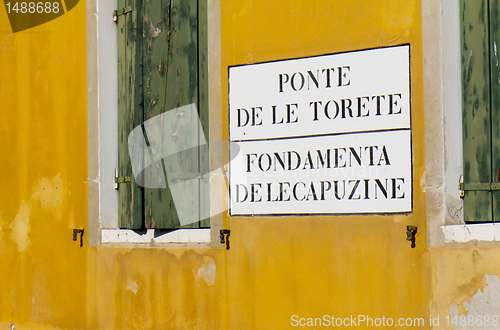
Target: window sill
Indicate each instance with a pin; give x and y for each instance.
(110, 236)
(486, 232)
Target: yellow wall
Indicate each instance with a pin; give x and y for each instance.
(276, 267)
(315, 266)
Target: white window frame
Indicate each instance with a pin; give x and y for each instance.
(443, 131)
(102, 96)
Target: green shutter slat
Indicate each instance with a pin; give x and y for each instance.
(171, 81)
(130, 112)
(203, 107)
(476, 108)
(494, 23)
(156, 54)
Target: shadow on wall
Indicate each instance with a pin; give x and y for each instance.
(25, 15)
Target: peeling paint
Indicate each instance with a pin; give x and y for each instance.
(132, 286)
(465, 291)
(155, 32)
(422, 181)
(485, 301)
(207, 271)
(21, 227)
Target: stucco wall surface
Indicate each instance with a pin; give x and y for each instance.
(276, 267)
(466, 283)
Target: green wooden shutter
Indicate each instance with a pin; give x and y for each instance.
(480, 109)
(494, 8)
(130, 110)
(204, 162)
(172, 74)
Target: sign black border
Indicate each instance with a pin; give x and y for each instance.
(320, 214)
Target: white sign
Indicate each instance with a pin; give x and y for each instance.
(322, 135)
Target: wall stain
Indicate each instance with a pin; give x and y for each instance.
(485, 302)
(21, 227)
(467, 290)
(49, 192)
(400, 27)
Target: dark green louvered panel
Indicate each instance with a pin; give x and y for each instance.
(481, 107)
(173, 67)
(202, 105)
(130, 110)
(494, 20)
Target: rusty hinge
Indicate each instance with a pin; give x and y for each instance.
(460, 183)
(75, 234)
(123, 179)
(120, 12)
(411, 231)
(223, 239)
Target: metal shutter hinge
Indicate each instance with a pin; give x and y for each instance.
(223, 239)
(493, 186)
(75, 234)
(411, 231)
(120, 12)
(123, 179)
(480, 186)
